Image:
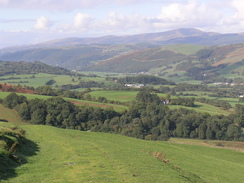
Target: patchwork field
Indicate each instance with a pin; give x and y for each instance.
(127, 96)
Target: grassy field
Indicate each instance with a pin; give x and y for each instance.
(97, 104)
(187, 49)
(60, 155)
(200, 94)
(75, 101)
(40, 79)
(123, 96)
(28, 96)
(201, 107)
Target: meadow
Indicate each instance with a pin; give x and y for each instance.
(201, 107)
(75, 101)
(74, 156)
(187, 49)
(123, 96)
(40, 79)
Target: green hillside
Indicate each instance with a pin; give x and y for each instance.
(73, 57)
(176, 62)
(74, 156)
(139, 61)
(181, 62)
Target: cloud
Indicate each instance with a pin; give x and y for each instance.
(121, 19)
(238, 5)
(82, 21)
(43, 24)
(232, 20)
(190, 14)
(118, 23)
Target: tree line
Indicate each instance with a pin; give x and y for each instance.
(146, 118)
(141, 79)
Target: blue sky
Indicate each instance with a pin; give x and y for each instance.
(33, 21)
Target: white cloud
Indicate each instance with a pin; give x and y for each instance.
(190, 14)
(238, 5)
(117, 23)
(43, 24)
(233, 21)
(82, 21)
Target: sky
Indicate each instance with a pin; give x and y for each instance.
(33, 21)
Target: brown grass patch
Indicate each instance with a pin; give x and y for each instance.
(233, 145)
(232, 57)
(91, 104)
(17, 89)
(160, 156)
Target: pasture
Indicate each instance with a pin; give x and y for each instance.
(201, 107)
(27, 79)
(40, 79)
(187, 49)
(74, 156)
(123, 96)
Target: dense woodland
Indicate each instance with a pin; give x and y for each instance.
(141, 79)
(9, 68)
(147, 118)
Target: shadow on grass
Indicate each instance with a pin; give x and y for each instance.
(197, 106)
(9, 164)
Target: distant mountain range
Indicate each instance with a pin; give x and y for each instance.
(132, 53)
(177, 36)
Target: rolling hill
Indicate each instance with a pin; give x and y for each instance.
(165, 54)
(177, 36)
(139, 61)
(73, 57)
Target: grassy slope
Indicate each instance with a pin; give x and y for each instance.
(201, 107)
(123, 96)
(232, 57)
(41, 78)
(75, 156)
(186, 49)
